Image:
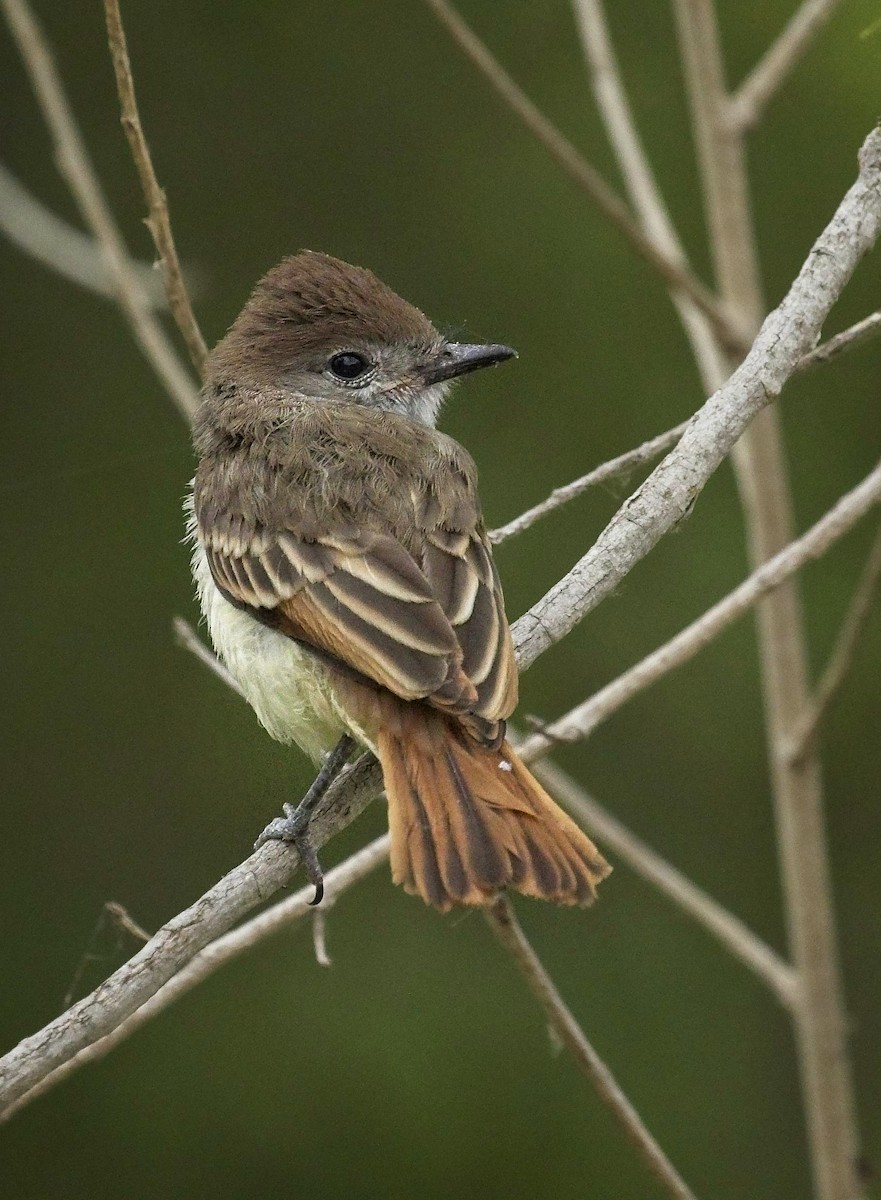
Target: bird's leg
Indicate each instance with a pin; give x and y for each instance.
(294, 825)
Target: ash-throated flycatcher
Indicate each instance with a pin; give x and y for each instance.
(344, 570)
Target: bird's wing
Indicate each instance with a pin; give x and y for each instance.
(459, 567)
(427, 622)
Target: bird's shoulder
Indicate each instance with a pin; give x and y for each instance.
(327, 466)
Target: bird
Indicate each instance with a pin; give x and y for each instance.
(347, 580)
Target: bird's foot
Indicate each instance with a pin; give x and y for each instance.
(293, 828)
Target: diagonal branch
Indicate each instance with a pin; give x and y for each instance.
(505, 926)
(645, 195)
(73, 162)
(672, 269)
(581, 721)
(158, 221)
(843, 653)
(848, 339)
(215, 955)
(749, 101)
(736, 937)
(623, 464)
(39, 232)
(666, 497)
(613, 469)
(177, 942)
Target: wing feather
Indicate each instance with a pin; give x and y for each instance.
(408, 597)
(316, 617)
(459, 567)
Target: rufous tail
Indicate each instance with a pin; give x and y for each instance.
(467, 821)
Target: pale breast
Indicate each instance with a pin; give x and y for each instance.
(287, 686)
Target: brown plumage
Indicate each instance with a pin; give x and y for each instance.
(342, 520)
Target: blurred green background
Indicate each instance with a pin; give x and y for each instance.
(417, 1065)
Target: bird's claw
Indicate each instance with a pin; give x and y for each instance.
(294, 829)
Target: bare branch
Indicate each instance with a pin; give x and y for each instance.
(39, 232)
(504, 924)
(215, 955)
(612, 469)
(158, 221)
(736, 937)
(749, 101)
(671, 269)
(73, 163)
(848, 339)
(843, 654)
(187, 638)
(614, 108)
(625, 463)
(666, 497)
(123, 919)
(581, 721)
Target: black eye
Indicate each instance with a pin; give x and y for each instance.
(348, 365)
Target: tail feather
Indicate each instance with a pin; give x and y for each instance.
(467, 820)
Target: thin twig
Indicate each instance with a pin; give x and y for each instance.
(40, 233)
(848, 339)
(843, 654)
(123, 919)
(73, 163)
(580, 722)
(751, 98)
(187, 638)
(612, 469)
(319, 937)
(215, 955)
(625, 463)
(504, 924)
(118, 916)
(158, 221)
(586, 176)
(731, 932)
